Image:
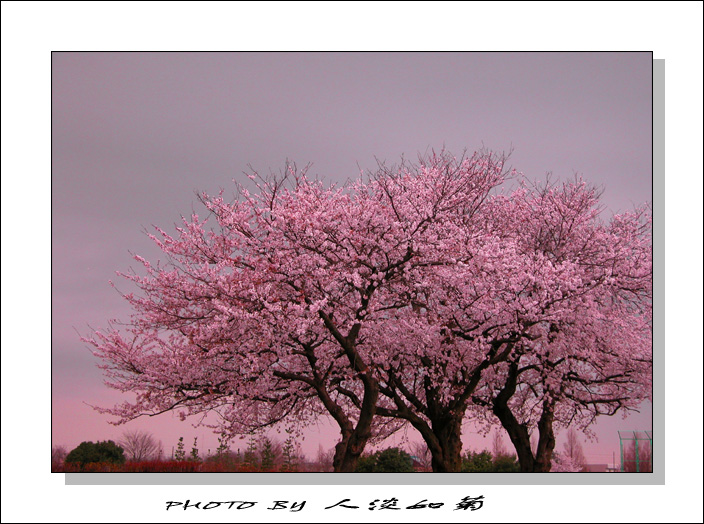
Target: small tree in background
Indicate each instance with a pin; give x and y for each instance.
(267, 454)
(497, 444)
(139, 445)
(324, 459)
(251, 459)
(194, 451)
(573, 449)
(563, 463)
(180, 451)
(223, 447)
(102, 451)
(226, 459)
(58, 455)
(290, 458)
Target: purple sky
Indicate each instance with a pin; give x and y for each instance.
(134, 135)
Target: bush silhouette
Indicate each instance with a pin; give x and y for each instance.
(506, 464)
(484, 462)
(102, 451)
(390, 460)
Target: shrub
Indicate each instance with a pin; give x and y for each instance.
(477, 462)
(106, 452)
(506, 464)
(390, 460)
(484, 462)
(223, 461)
(366, 464)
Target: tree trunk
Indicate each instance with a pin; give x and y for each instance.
(520, 438)
(341, 459)
(347, 453)
(517, 432)
(444, 441)
(546, 441)
(448, 433)
(351, 446)
(542, 460)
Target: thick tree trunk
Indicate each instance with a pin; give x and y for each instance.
(351, 446)
(541, 461)
(546, 441)
(441, 430)
(347, 453)
(448, 433)
(444, 441)
(341, 458)
(518, 433)
(520, 439)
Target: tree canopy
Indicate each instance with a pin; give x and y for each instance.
(92, 452)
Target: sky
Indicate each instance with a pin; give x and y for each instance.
(135, 135)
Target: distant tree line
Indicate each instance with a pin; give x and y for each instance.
(271, 455)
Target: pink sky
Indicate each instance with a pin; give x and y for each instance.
(134, 135)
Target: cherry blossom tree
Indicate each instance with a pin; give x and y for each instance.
(282, 309)
(425, 376)
(542, 316)
(459, 325)
(589, 349)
